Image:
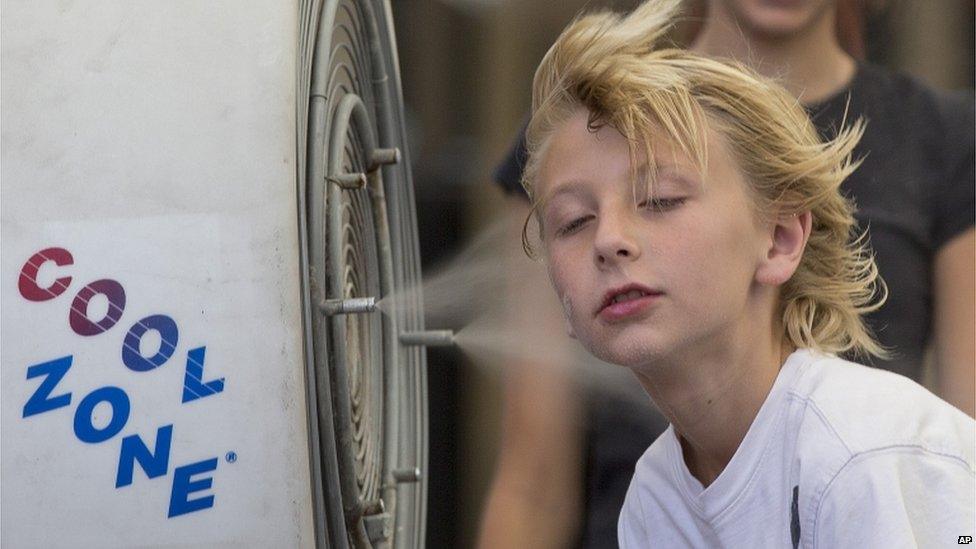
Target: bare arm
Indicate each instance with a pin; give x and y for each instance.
(535, 500)
(954, 337)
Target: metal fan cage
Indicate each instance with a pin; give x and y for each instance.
(367, 390)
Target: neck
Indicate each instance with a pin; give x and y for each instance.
(712, 398)
(810, 63)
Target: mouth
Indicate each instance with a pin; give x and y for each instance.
(625, 301)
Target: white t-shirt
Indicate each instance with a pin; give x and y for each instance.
(839, 455)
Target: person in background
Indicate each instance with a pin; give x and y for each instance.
(563, 471)
(914, 190)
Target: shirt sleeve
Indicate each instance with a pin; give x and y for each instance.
(897, 497)
(955, 204)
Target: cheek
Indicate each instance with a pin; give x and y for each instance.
(736, 285)
(559, 268)
(714, 261)
(567, 306)
(564, 281)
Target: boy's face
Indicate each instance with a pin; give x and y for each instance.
(684, 265)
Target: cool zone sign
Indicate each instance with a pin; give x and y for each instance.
(192, 482)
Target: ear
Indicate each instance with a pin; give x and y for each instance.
(788, 239)
(569, 327)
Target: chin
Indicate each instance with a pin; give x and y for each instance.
(627, 352)
(777, 27)
(780, 18)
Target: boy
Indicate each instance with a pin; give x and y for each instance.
(693, 229)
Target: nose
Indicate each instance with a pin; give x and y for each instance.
(615, 241)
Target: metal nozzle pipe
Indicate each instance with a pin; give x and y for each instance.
(381, 157)
(332, 307)
(407, 475)
(429, 338)
(349, 181)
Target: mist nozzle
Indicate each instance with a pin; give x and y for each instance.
(428, 338)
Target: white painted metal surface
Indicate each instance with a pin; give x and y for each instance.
(155, 143)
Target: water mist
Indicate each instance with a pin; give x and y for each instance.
(506, 316)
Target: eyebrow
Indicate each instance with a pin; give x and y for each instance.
(573, 186)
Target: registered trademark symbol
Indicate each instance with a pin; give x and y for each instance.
(231, 457)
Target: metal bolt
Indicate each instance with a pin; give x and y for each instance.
(382, 157)
(429, 338)
(407, 475)
(332, 307)
(348, 181)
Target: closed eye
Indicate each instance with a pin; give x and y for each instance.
(661, 204)
(573, 226)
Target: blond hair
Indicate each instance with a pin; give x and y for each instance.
(611, 65)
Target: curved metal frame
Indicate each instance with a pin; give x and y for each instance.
(351, 115)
